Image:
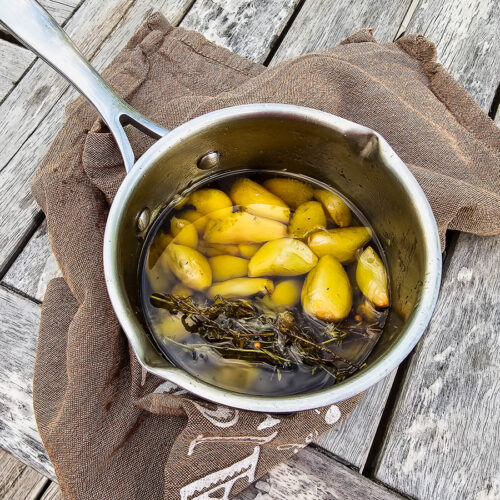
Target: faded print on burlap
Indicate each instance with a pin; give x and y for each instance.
(110, 433)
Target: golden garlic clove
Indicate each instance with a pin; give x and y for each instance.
(189, 265)
(257, 200)
(226, 267)
(283, 257)
(308, 217)
(197, 218)
(242, 227)
(247, 250)
(211, 202)
(171, 327)
(181, 290)
(184, 232)
(214, 249)
(342, 243)
(158, 245)
(371, 277)
(335, 206)
(326, 293)
(286, 294)
(291, 191)
(241, 287)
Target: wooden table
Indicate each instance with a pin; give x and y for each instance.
(431, 430)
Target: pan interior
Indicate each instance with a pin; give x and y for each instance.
(351, 162)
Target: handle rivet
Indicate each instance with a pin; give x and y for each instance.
(143, 219)
(209, 160)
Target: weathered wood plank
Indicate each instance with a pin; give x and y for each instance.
(443, 438)
(321, 24)
(53, 492)
(41, 87)
(18, 432)
(351, 440)
(17, 481)
(15, 61)
(310, 474)
(466, 37)
(246, 27)
(17, 207)
(34, 267)
(60, 9)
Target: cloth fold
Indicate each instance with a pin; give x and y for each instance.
(110, 433)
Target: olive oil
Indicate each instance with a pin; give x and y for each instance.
(264, 282)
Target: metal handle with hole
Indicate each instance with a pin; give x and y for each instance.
(38, 30)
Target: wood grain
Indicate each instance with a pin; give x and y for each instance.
(246, 27)
(321, 24)
(352, 439)
(312, 475)
(39, 90)
(61, 10)
(34, 267)
(15, 61)
(53, 492)
(17, 207)
(17, 481)
(18, 432)
(467, 41)
(443, 439)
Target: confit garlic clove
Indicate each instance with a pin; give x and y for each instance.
(226, 267)
(292, 191)
(189, 266)
(286, 294)
(197, 218)
(326, 293)
(335, 206)
(341, 243)
(308, 217)
(243, 227)
(213, 203)
(371, 277)
(282, 257)
(184, 232)
(257, 200)
(241, 287)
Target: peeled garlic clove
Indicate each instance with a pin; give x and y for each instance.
(326, 293)
(211, 202)
(283, 257)
(214, 249)
(371, 277)
(335, 206)
(197, 218)
(286, 294)
(257, 200)
(242, 227)
(241, 287)
(308, 217)
(291, 191)
(171, 327)
(248, 250)
(226, 267)
(184, 232)
(181, 290)
(189, 265)
(341, 243)
(158, 245)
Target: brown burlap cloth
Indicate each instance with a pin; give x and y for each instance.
(111, 435)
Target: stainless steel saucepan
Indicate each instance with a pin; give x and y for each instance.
(352, 158)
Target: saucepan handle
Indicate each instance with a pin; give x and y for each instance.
(38, 30)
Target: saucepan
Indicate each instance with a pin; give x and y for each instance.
(354, 159)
